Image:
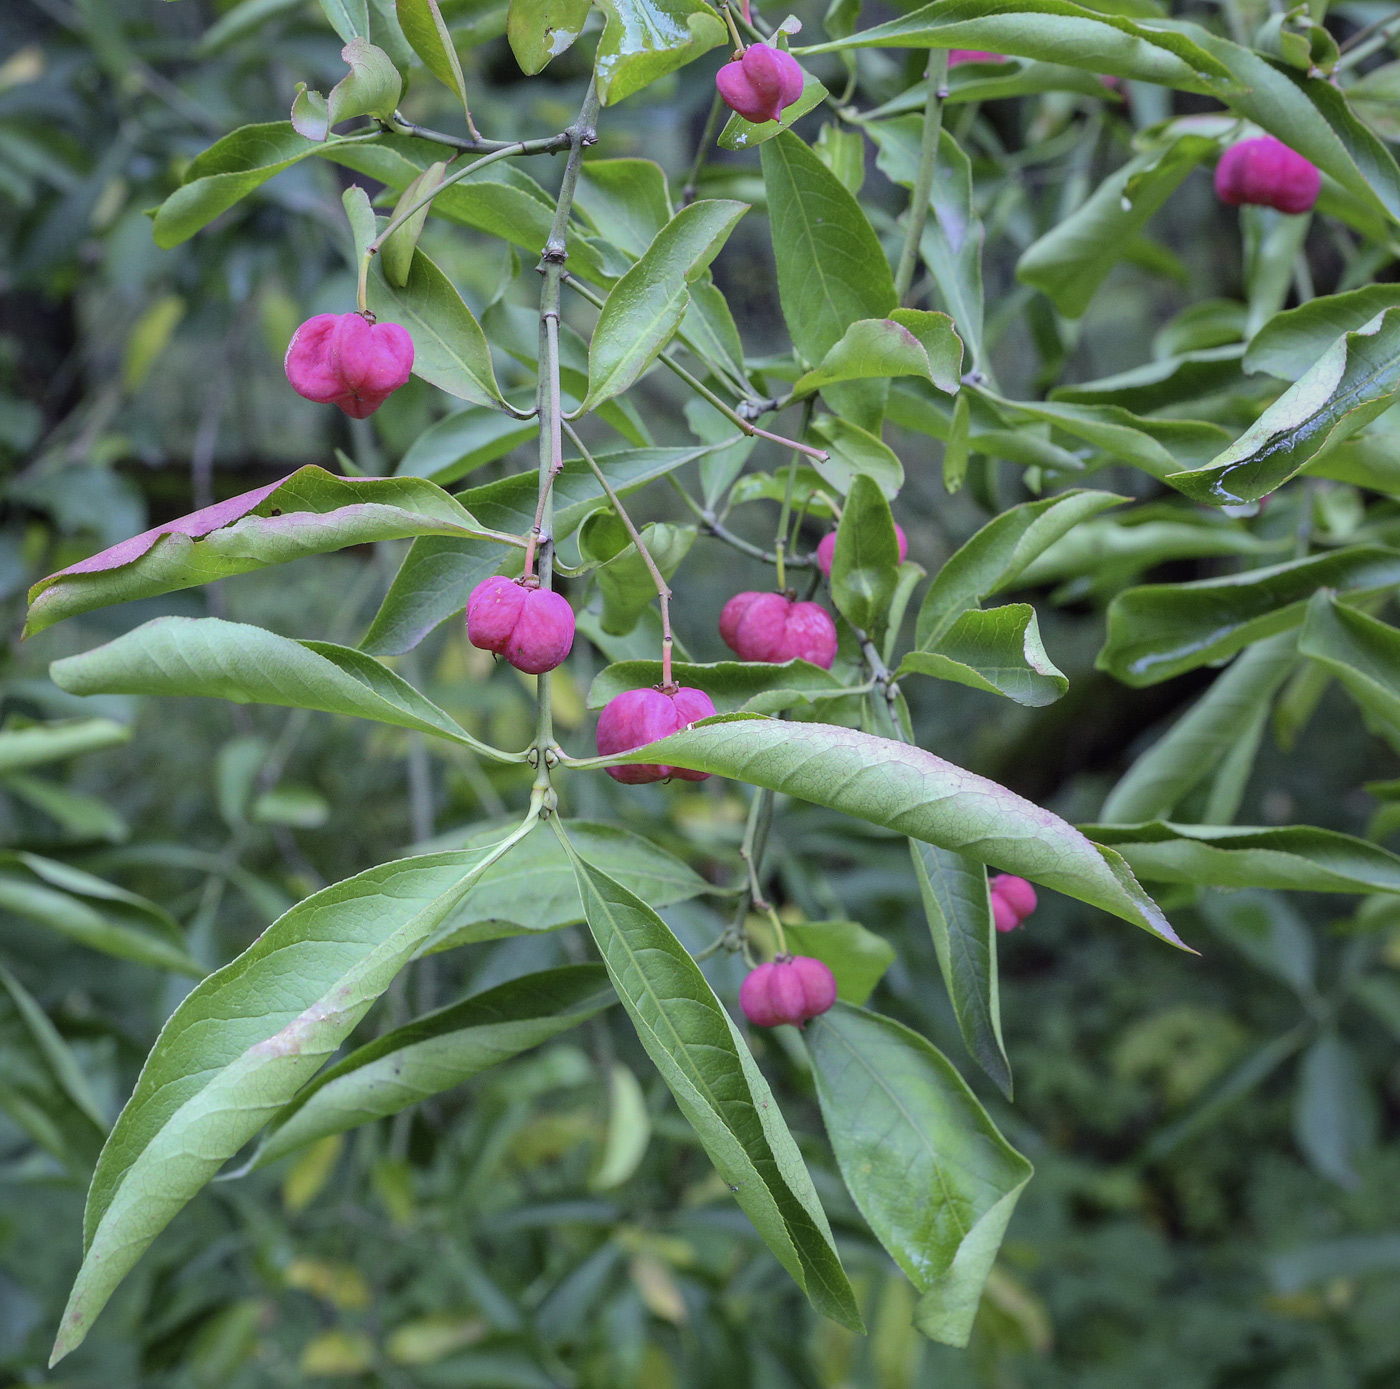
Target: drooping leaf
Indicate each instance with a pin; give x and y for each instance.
(625, 582)
(1186, 376)
(932, 1176)
(704, 1061)
(1292, 341)
(22, 748)
(912, 792)
(372, 87)
(643, 40)
(995, 649)
(1356, 379)
(240, 1045)
(644, 308)
(308, 513)
(250, 665)
(1361, 651)
(958, 906)
(1194, 747)
(435, 1052)
(831, 269)
(1161, 630)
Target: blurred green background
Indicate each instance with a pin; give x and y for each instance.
(1176, 1234)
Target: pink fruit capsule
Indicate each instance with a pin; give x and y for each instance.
(637, 717)
(348, 360)
(761, 83)
(772, 627)
(1013, 900)
(532, 628)
(790, 989)
(1266, 172)
(826, 550)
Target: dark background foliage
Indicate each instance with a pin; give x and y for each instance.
(465, 1245)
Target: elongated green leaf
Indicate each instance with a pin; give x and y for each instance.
(1202, 738)
(645, 39)
(93, 913)
(703, 1059)
(308, 513)
(539, 30)
(855, 452)
(884, 347)
(1073, 259)
(958, 906)
(932, 1176)
(435, 1052)
(349, 18)
(249, 665)
(629, 1130)
(42, 1088)
(732, 685)
(1154, 385)
(994, 558)
(1353, 382)
(449, 348)
(865, 565)
(533, 889)
(1291, 342)
(998, 650)
(438, 575)
(1298, 857)
(1334, 1118)
(645, 307)
(912, 792)
(1362, 652)
(1161, 630)
(831, 269)
(462, 442)
(427, 35)
(239, 1047)
(396, 254)
(627, 200)
(22, 748)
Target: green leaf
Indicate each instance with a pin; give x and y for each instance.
(539, 30)
(426, 32)
(1196, 745)
(1161, 630)
(308, 513)
(739, 134)
(645, 307)
(1334, 1113)
(449, 349)
(435, 1052)
(865, 565)
(831, 268)
(240, 1045)
(249, 665)
(626, 583)
(857, 957)
(372, 87)
(958, 906)
(462, 442)
(396, 254)
(629, 1130)
(911, 342)
(1362, 652)
(750, 686)
(1266, 929)
(438, 576)
(645, 39)
(932, 1176)
(1353, 382)
(349, 18)
(1291, 342)
(93, 913)
(1185, 377)
(22, 748)
(994, 558)
(42, 1088)
(533, 889)
(998, 650)
(855, 452)
(912, 792)
(627, 200)
(1300, 858)
(719, 1089)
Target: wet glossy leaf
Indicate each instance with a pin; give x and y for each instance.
(539, 30)
(645, 39)
(928, 1169)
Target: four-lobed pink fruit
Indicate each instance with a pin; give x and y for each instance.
(1264, 171)
(347, 360)
(532, 628)
(772, 627)
(637, 717)
(790, 989)
(760, 83)
(1013, 900)
(826, 550)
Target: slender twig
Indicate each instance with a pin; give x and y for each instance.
(702, 390)
(751, 851)
(663, 591)
(937, 76)
(1366, 41)
(551, 144)
(712, 525)
(702, 150)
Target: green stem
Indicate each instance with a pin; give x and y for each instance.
(937, 76)
(702, 150)
(780, 540)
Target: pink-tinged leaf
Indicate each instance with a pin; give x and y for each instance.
(310, 512)
(912, 792)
